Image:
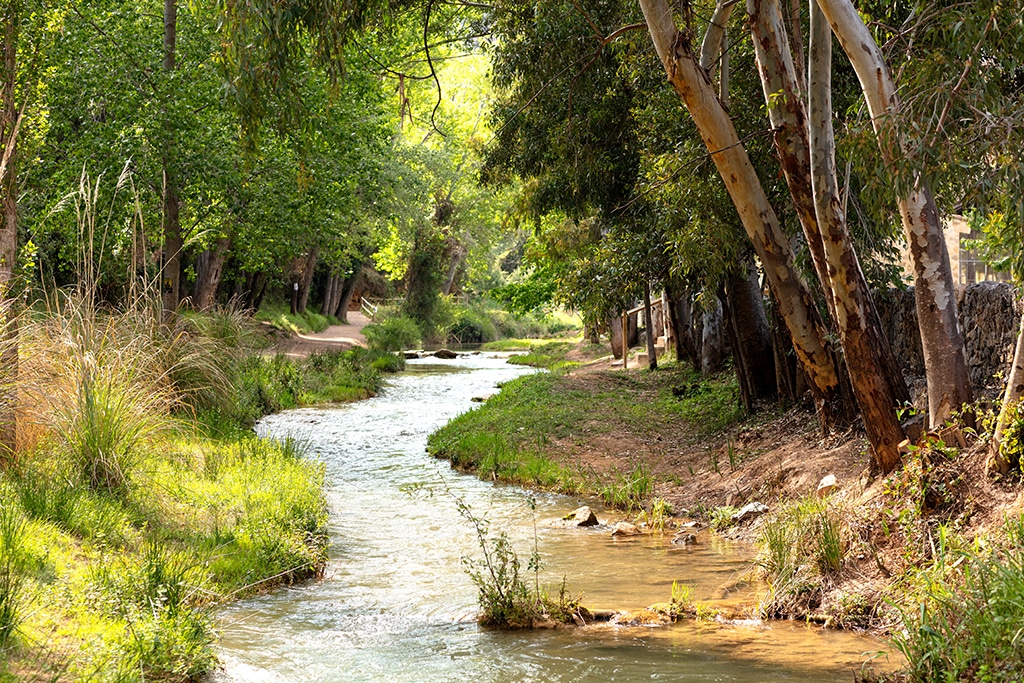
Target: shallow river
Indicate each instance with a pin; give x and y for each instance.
(397, 605)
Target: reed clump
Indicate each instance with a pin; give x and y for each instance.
(124, 518)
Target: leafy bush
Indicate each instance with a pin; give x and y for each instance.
(393, 334)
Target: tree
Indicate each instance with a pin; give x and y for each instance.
(759, 219)
(945, 357)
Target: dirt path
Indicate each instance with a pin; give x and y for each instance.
(334, 338)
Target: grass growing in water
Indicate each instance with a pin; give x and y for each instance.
(507, 600)
(801, 546)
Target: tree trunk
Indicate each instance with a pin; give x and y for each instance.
(306, 280)
(173, 244)
(457, 257)
(999, 462)
(712, 349)
(877, 385)
(615, 335)
(328, 305)
(807, 151)
(758, 218)
(681, 319)
(751, 337)
(945, 357)
(207, 284)
(9, 366)
(345, 300)
(652, 353)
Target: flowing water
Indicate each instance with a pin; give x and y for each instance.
(396, 604)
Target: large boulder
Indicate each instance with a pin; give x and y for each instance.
(445, 354)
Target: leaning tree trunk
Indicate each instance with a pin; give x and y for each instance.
(347, 291)
(878, 386)
(206, 286)
(806, 148)
(942, 340)
(9, 239)
(1000, 462)
(756, 213)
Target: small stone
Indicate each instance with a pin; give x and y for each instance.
(684, 539)
(625, 529)
(827, 485)
(749, 511)
(582, 516)
(482, 399)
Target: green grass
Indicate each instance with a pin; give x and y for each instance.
(963, 618)
(126, 580)
(280, 317)
(801, 546)
(512, 437)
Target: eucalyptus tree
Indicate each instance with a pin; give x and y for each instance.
(678, 54)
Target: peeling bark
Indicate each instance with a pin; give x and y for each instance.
(759, 220)
(1012, 396)
(942, 340)
(878, 388)
(652, 354)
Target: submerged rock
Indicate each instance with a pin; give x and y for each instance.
(483, 398)
(625, 529)
(411, 355)
(684, 539)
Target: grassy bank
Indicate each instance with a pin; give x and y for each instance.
(541, 429)
(138, 499)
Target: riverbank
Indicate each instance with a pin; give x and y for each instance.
(139, 497)
(886, 554)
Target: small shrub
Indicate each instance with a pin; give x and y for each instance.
(394, 334)
(722, 518)
(800, 546)
(970, 624)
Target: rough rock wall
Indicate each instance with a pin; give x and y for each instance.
(989, 315)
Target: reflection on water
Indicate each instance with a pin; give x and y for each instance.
(396, 605)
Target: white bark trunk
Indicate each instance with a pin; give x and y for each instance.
(756, 213)
(855, 317)
(942, 339)
(1011, 397)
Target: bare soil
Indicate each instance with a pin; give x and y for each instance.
(334, 338)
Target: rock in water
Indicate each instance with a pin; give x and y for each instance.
(684, 539)
(445, 354)
(582, 516)
(625, 529)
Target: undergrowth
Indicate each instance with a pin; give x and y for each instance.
(124, 518)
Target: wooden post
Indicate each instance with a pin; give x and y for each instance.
(625, 341)
(666, 321)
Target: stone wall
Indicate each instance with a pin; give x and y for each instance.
(990, 317)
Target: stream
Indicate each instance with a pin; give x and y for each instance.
(396, 604)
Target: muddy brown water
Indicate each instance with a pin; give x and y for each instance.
(396, 604)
